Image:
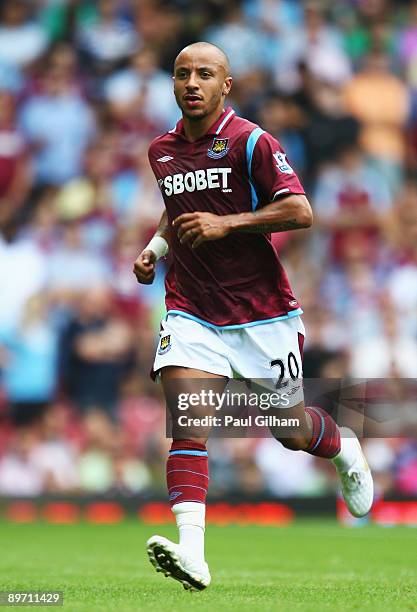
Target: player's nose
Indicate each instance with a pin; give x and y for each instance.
(192, 83)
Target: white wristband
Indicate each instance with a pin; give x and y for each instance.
(159, 246)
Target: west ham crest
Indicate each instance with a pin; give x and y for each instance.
(219, 148)
(165, 344)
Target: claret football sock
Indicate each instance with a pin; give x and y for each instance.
(187, 472)
(187, 479)
(325, 440)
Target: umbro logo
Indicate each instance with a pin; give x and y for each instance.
(164, 159)
(174, 495)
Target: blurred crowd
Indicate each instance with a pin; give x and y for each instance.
(84, 87)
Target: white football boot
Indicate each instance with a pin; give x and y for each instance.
(355, 475)
(173, 560)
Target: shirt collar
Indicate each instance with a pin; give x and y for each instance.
(217, 127)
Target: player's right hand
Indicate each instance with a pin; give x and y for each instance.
(144, 267)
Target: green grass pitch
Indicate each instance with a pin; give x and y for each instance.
(311, 565)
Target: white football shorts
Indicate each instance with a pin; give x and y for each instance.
(269, 354)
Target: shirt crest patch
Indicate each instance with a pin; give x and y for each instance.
(219, 148)
(165, 344)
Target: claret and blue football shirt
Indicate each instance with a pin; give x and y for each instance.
(235, 167)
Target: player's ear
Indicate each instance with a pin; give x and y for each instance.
(227, 86)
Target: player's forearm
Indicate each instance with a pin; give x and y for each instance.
(293, 212)
(160, 242)
(163, 227)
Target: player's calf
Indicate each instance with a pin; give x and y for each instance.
(297, 435)
(296, 442)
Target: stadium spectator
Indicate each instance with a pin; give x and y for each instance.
(144, 83)
(244, 45)
(401, 232)
(405, 468)
(275, 16)
(390, 352)
(317, 44)
(53, 455)
(407, 45)
(96, 347)
(42, 226)
(284, 120)
(22, 273)
(19, 475)
(58, 124)
(107, 37)
(94, 462)
(350, 202)
(82, 266)
(22, 41)
(322, 47)
(88, 198)
(381, 102)
(329, 127)
(131, 475)
(134, 303)
(30, 361)
(142, 414)
(135, 197)
(15, 172)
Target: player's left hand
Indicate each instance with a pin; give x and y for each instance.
(198, 227)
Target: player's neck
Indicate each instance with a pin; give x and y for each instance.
(195, 129)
